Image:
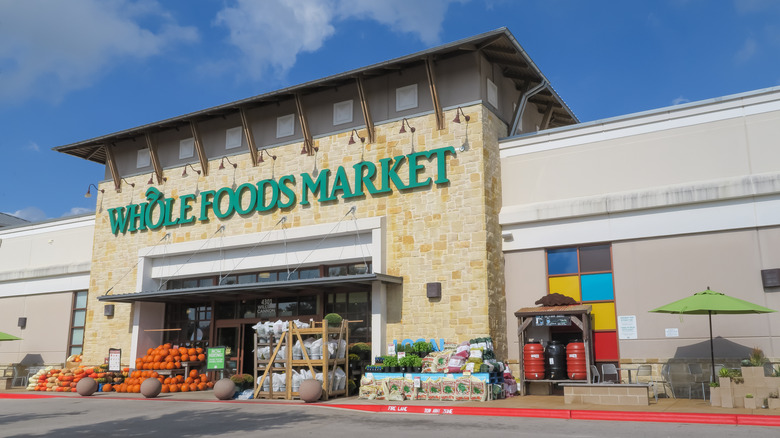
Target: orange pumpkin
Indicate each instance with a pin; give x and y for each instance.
(173, 388)
(164, 388)
(108, 387)
(185, 357)
(201, 357)
(194, 373)
(185, 388)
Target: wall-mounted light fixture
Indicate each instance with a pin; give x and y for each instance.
(403, 129)
(352, 137)
(131, 184)
(262, 151)
(108, 310)
(89, 194)
(433, 290)
(151, 179)
(22, 322)
(458, 112)
(184, 172)
(222, 163)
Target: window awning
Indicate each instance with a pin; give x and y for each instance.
(230, 292)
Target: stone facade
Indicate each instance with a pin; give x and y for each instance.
(446, 233)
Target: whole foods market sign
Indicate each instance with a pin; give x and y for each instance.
(269, 194)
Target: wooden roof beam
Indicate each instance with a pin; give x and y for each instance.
(155, 158)
(434, 93)
(250, 137)
(111, 163)
(308, 142)
(366, 110)
(547, 117)
(204, 161)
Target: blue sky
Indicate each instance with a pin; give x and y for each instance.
(74, 70)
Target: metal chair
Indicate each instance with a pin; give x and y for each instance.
(594, 374)
(644, 374)
(20, 375)
(609, 369)
(698, 377)
(679, 377)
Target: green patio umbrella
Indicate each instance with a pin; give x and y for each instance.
(708, 303)
(7, 337)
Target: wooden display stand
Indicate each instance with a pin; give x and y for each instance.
(579, 316)
(325, 365)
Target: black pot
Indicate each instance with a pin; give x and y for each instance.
(416, 369)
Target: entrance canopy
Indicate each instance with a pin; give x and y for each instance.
(230, 292)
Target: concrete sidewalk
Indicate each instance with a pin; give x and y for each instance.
(665, 410)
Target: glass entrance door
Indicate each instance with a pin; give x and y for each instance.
(229, 337)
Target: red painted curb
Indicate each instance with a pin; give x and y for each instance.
(27, 396)
(656, 417)
(758, 420)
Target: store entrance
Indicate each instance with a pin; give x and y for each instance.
(238, 339)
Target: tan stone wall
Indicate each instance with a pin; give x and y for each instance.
(447, 233)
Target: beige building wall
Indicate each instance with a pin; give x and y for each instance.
(41, 266)
(437, 234)
(688, 197)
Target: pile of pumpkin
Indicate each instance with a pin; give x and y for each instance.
(193, 382)
(65, 380)
(165, 357)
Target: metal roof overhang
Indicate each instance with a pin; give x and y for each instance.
(230, 292)
(498, 46)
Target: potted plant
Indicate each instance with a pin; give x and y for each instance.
(715, 399)
(422, 348)
(774, 400)
(750, 402)
(406, 363)
(416, 364)
(391, 364)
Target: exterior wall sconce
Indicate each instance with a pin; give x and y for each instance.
(119, 189)
(151, 179)
(108, 310)
(22, 322)
(184, 172)
(89, 194)
(458, 112)
(264, 151)
(222, 163)
(352, 137)
(403, 129)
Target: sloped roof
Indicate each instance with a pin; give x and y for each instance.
(499, 47)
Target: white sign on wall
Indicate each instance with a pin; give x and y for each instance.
(627, 327)
(672, 333)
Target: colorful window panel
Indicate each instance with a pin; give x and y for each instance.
(585, 274)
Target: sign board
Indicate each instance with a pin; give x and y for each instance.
(627, 327)
(215, 358)
(114, 360)
(266, 308)
(552, 321)
(672, 333)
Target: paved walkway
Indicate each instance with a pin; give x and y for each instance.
(665, 410)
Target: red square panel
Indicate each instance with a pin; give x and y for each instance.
(605, 346)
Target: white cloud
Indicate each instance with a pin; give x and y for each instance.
(32, 146)
(680, 100)
(747, 51)
(32, 214)
(49, 48)
(271, 34)
(75, 211)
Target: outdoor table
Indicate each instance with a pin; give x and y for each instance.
(629, 372)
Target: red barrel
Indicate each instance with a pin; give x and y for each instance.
(575, 361)
(533, 361)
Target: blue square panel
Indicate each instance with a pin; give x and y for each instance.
(562, 261)
(597, 287)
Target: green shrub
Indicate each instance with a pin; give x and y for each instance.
(334, 319)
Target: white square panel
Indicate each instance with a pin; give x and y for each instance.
(186, 148)
(342, 112)
(406, 97)
(285, 126)
(492, 93)
(233, 137)
(143, 159)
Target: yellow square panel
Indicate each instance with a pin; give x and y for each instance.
(603, 316)
(569, 286)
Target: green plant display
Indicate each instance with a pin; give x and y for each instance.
(757, 358)
(390, 361)
(714, 384)
(407, 361)
(748, 395)
(422, 347)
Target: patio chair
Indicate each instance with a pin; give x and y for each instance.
(679, 378)
(609, 369)
(644, 374)
(594, 374)
(20, 375)
(698, 377)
